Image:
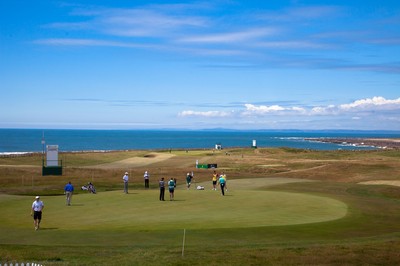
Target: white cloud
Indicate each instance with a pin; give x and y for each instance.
(375, 103)
(299, 109)
(252, 109)
(231, 37)
(292, 44)
(79, 42)
(263, 108)
(301, 13)
(189, 113)
(376, 106)
(323, 110)
(94, 42)
(199, 29)
(146, 22)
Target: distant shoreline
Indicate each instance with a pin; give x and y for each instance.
(378, 143)
(381, 143)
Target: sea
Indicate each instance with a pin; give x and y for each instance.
(20, 141)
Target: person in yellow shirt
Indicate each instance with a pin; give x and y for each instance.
(215, 177)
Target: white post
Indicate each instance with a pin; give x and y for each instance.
(183, 245)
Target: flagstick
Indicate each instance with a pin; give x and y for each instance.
(183, 245)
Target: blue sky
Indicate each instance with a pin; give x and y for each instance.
(200, 64)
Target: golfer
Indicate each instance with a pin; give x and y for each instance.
(171, 187)
(188, 180)
(221, 182)
(161, 184)
(36, 212)
(146, 179)
(223, 175)
(125, 178)
(68, 191)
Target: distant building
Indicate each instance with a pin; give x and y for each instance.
(254, 145)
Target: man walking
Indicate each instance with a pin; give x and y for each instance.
(221, 182)
(223, 175)
(146, 179)
(188, 180)
(125, 178)
(68, 191)
(161, 183)
(36, 212)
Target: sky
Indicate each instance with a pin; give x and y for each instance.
(247, 65)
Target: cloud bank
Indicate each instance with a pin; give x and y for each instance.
(373, 105)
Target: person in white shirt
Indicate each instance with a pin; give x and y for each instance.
(146, 179)
(36, 211)
(125, 178)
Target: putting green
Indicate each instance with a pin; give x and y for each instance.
(243, 206)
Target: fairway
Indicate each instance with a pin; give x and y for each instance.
(246, 204)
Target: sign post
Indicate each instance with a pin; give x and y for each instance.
(53, 166)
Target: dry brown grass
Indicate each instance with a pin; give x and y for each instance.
(22, 174)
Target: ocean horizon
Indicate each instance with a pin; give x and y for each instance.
(74, 140)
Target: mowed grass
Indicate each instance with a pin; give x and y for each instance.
(243, 206)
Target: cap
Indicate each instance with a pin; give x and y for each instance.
(126, 173)
(37, 197)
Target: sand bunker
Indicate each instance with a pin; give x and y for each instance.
(149, 158)
(382, 182)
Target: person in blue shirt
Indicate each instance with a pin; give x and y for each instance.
(68, 191)
(171, 187)
(222, 182)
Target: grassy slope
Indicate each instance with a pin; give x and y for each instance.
(369, 234)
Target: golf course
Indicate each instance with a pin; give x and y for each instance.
(282, 206)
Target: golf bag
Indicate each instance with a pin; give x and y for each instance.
(89, 187)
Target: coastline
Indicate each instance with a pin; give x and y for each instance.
(376, 143)
(381, 143)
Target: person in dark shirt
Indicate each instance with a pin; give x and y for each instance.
(162, 188)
